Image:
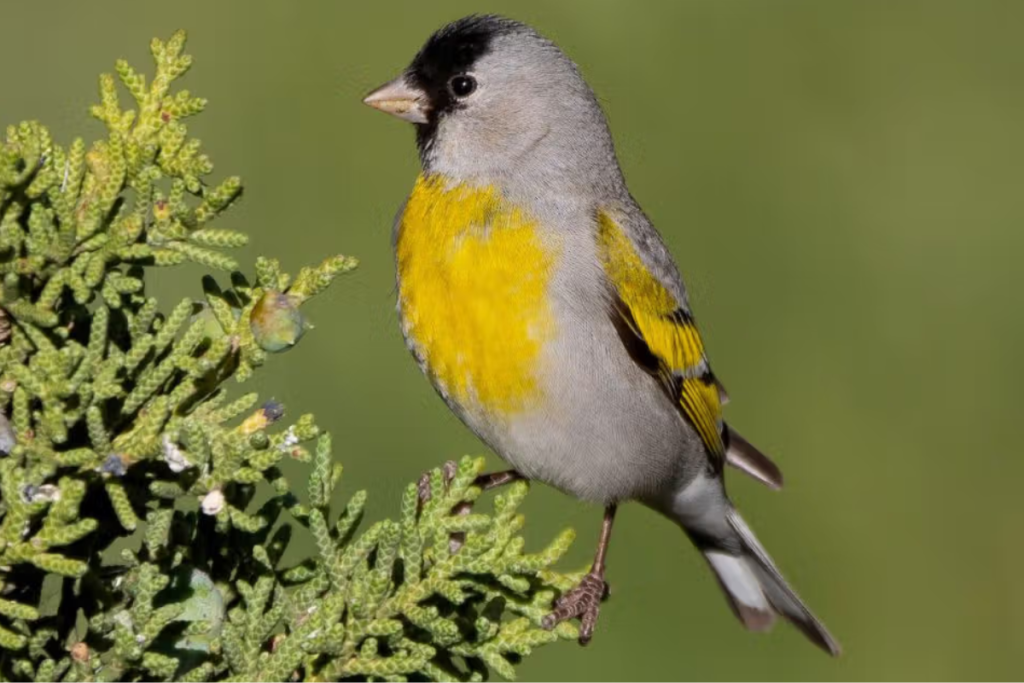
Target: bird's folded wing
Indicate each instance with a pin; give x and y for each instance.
(660, 334)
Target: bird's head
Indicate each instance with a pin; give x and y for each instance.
(489, 95)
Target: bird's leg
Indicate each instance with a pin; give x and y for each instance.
(486, 482)
(584, 601)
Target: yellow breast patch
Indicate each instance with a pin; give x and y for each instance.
(473, 291)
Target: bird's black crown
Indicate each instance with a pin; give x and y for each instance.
(450, 52)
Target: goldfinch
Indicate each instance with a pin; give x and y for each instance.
(548, 313)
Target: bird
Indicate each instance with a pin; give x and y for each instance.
(548, 313)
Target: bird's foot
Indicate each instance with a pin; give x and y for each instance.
(484, 482)
(583, 601)
(448, 472)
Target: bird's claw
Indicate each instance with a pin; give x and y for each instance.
(448, 472)
(583, 601)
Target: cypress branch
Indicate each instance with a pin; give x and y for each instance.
(116, 429)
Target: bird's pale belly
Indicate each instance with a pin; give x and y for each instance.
(607, 432)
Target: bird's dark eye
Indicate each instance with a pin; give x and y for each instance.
(462, 86)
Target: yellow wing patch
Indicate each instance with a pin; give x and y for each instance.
(473, 278)
(667, 331)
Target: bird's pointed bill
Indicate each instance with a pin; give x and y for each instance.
(400, 99)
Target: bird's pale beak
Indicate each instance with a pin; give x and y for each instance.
(400, 99)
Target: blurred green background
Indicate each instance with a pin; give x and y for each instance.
(842, 183)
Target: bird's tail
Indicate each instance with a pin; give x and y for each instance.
(749, 578)
(756, 590)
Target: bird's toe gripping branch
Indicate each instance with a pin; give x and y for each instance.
(485, 482)
(584, 601)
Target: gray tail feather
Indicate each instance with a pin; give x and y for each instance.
(756, 590)
(745, 457)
